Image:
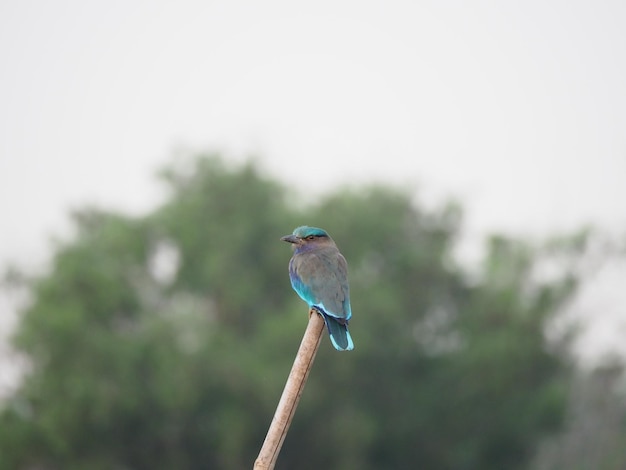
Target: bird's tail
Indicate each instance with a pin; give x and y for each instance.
(339, 334)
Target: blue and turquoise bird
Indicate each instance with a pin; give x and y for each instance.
(319, 274)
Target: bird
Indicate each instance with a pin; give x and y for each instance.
(319, 275)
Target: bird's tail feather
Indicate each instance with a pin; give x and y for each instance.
(339, 334)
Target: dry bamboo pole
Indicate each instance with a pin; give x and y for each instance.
(291, 393)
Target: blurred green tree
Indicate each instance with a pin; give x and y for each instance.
(163, 341)
(595, 435)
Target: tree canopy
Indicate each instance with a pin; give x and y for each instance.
(163, 341)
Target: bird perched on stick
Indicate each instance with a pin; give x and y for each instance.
(319, 274)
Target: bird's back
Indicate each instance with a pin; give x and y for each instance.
(320, 277)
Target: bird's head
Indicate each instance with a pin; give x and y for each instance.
(308, 237)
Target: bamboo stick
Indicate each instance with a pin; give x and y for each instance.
(291, 393)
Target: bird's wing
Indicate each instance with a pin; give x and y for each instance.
(324, 275)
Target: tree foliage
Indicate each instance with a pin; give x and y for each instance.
(163, 341)
(595, 435)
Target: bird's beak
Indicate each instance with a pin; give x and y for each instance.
(290, 239)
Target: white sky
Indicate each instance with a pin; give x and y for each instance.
(516, 108)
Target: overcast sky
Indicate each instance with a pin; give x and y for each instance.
(516, 108)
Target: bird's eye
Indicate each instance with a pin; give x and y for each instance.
(310, 237)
